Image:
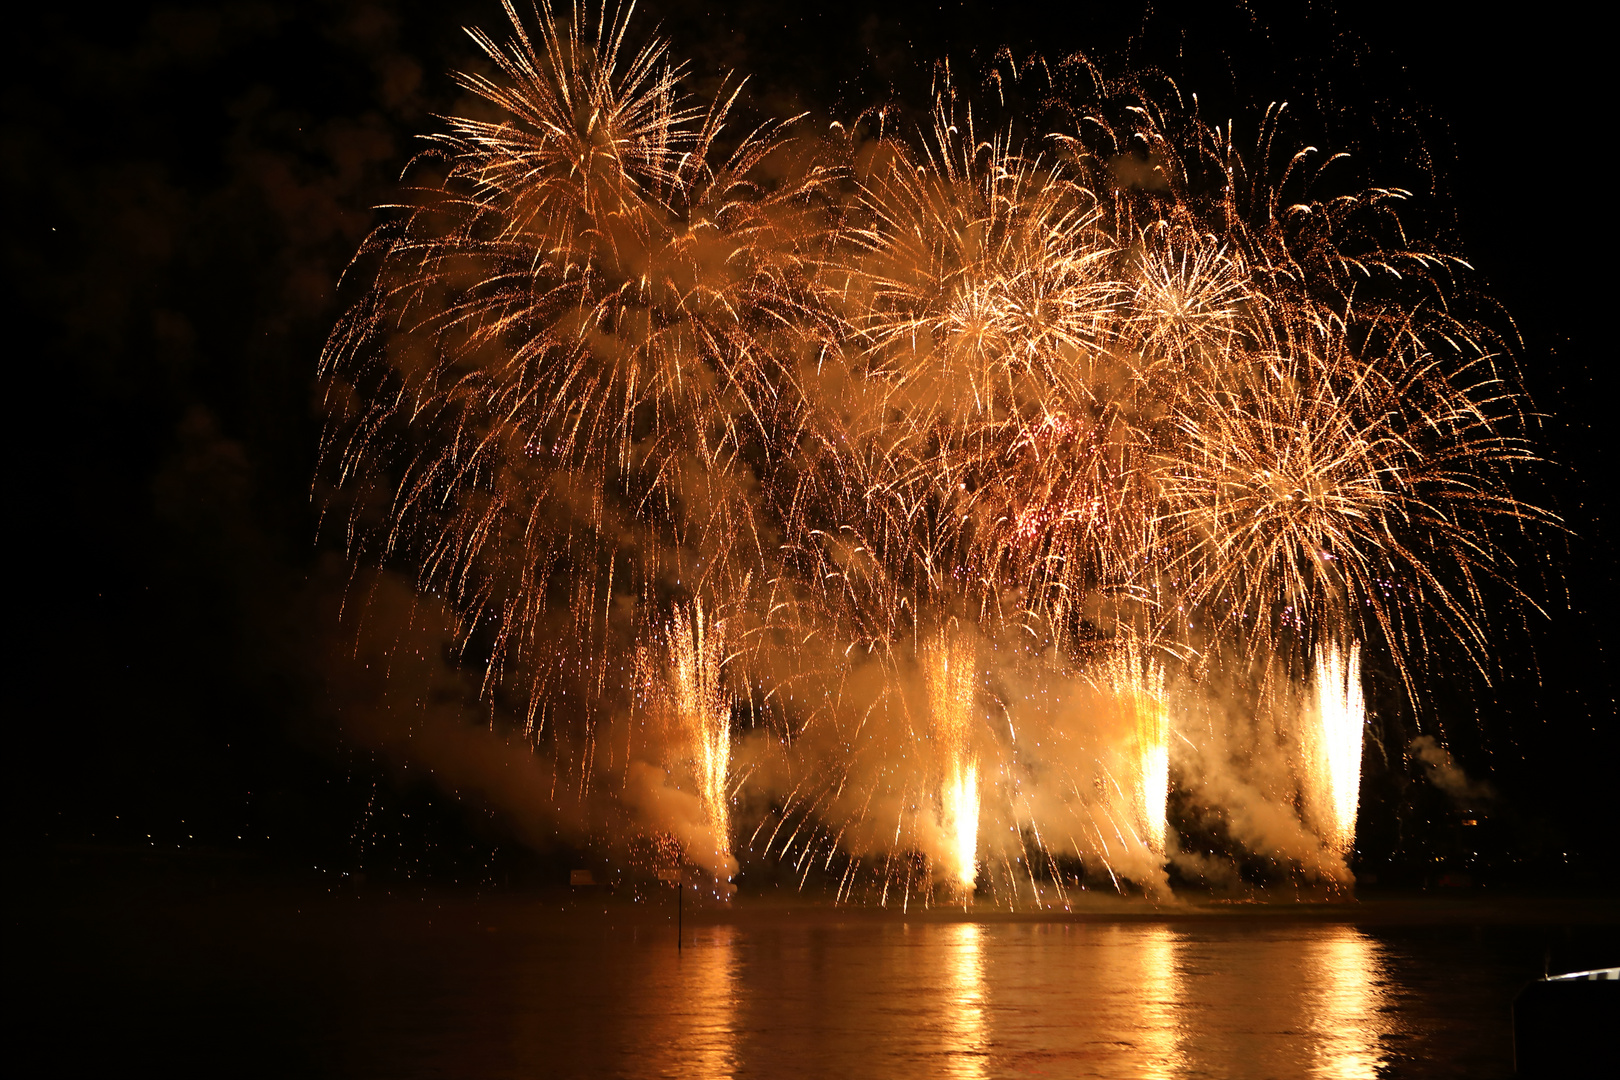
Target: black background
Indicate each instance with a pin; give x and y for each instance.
(185, 184)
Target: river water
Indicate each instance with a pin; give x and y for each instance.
(426, 988)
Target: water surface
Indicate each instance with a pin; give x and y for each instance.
(422, 989)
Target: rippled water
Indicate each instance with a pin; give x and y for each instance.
(420, 991)
(968, 1000)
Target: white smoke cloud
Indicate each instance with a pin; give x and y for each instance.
(1054, 759)
(1241, 764)
(1444, 773)
(660, 808)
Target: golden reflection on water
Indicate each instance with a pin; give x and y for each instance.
(699, 1027)
(1285, 1002)
(1349, 1007)
(966, 1055)
(1142, 1001)
(713, 983)
(1157, 995)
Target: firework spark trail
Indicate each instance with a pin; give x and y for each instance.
(1121, 382)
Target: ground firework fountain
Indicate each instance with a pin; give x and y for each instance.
(684, 684)
(1117, 383)
(696, 657)
(950, 709)
(1332, 747)
(1137, 683)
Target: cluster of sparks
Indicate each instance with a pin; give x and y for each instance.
(913, 414)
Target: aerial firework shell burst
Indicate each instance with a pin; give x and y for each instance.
(886, 467)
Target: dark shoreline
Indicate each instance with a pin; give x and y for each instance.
(80, 896)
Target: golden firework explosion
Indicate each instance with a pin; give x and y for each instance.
(1129, 409)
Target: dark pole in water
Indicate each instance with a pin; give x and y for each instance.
(680, 909)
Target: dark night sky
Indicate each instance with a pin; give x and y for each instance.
(186, 183)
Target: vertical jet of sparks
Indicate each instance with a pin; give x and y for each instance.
(1333, 767)
(950, 704)
(696, 655)
(1138, 684)
(1153, 749)
(961, 798)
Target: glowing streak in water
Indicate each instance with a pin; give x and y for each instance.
(1352, 1012)
(1334, 768)
(1160, 1056)
(967, 1033)
(703, 1036)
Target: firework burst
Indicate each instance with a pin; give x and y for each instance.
(944, 425)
